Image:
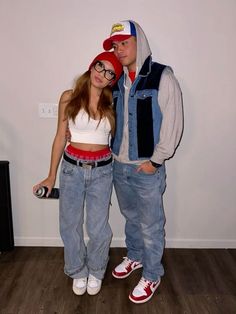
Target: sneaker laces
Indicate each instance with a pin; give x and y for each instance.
(80, 282)
(143, 284)
(127, 262)
(93, 281)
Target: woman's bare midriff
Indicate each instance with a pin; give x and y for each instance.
(88, 147)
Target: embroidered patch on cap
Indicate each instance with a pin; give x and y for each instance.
(120, 31)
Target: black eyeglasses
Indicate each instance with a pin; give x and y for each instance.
(108, 74)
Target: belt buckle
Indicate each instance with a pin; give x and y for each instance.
(88, 165)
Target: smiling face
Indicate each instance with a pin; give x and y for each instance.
(101, 73)
(126, 52)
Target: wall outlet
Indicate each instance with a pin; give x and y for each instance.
(48, 110)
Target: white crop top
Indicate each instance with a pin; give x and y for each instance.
(87, 130)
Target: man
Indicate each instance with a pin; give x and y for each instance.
(149, 123)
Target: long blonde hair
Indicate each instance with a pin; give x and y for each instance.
(80, 100)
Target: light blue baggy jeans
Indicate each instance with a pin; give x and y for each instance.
(140, 199)
(92, 188)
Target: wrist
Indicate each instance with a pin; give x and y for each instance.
(51, 178)
(154, 164)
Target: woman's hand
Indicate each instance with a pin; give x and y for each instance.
(48, 182)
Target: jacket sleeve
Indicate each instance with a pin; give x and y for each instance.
(171, 105)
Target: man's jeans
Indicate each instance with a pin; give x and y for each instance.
(93, 187)
(140, 199)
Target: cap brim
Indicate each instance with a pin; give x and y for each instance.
(107, 44)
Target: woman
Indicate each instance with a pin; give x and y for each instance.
(86, 172)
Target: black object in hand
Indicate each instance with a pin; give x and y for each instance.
(42, 192)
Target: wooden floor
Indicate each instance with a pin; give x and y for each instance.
(196, 281)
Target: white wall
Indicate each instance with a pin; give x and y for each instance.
(46, 44)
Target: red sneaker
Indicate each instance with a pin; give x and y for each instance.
(144, 290)
(125, 268)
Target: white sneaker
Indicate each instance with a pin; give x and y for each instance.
(125, 268)
(144, 290)
(94, 285)
(79, 286)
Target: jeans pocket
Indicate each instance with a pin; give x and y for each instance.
(149, 173)
(106, 171)
(67, 168)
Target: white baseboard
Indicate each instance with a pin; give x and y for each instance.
(201, 243)
(120, 242)
(36, 241)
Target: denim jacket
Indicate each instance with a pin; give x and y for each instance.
(144, 114)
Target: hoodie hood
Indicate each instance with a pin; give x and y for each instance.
(143, 48)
